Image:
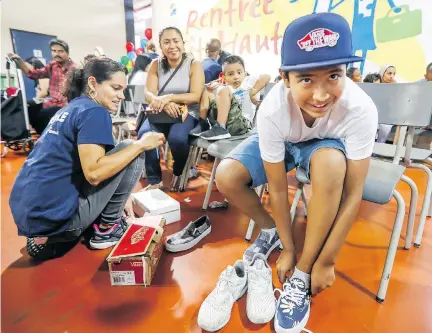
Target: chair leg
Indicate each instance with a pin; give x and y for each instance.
(165, 152)
(295, 201)
(303, 197)
(412, 211)
(391, 253)
(426, 202)
(210, 184)
(260, 191)
(185, 174)
(250, 230)
(198, 158)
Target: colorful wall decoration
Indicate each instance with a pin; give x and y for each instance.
(384, 31)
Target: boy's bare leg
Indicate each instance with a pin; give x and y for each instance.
(328, 169)
(223, 102)
(204, 104)
(233, 181)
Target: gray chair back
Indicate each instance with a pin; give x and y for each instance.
(139, 94)
(267, 89)
(402, 104)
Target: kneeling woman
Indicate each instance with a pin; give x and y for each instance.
(75, 174)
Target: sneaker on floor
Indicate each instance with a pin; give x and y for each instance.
(48, 251)
(108, 238)
(265, 243)
(149, 187)
(202, 126)
(190, 236)
(193, 173)
(215, 311)
(217, 132)
(293, 307)
(261, 302)
(214, 205)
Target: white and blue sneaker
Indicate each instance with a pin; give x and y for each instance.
(293, 306)
(265, 243)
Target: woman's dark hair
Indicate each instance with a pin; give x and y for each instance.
(164, 61)
(350, 72)
(88, 57)
(100, 68)
(141, 63)
(372, 77)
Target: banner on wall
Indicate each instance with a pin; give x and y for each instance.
(384, 32)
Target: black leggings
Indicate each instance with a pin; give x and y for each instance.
(39, 117)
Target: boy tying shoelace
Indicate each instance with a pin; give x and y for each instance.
(319, 120)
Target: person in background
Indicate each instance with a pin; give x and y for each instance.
(75, 174)
(151, 50)
(354, 74)
(56, 71)
(387, 73)
(428, 75)
(41, 85)
(372, 78)
(212, 65)
(184, 89)
(138, 76)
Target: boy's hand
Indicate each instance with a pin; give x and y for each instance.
(322, 277)
(285, 265)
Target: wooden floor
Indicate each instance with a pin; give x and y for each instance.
(73, 294)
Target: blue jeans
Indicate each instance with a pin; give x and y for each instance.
(177, 136)
(296, 155)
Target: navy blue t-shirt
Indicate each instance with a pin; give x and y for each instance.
(211, 69)
(45, 194)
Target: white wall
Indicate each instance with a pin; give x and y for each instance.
(83, 24)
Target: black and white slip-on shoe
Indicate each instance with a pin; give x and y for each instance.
(190, 236)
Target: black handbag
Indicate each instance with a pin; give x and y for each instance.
(163, 117)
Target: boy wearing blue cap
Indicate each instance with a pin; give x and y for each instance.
(318, 120)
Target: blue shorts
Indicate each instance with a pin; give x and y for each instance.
(296, 155)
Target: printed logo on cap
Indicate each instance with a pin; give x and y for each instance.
(318, 38)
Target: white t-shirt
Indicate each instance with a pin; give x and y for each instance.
(354, 119)
(243, 98)
(139, 79)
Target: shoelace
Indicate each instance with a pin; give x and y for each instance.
(254, 284)
(291, 294)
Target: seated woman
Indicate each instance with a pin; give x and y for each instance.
(185, 87)
(75, 174)
(387, 73)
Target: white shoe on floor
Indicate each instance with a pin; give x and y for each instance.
(261, 302)
(215, 311)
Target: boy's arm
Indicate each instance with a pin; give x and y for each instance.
(351, 198)
(259, 84)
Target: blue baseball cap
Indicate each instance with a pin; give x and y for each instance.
(315, 41)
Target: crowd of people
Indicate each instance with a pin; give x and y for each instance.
(212, 99)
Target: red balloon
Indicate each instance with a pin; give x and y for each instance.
(130, 47)
(148, 33)
(139, 51)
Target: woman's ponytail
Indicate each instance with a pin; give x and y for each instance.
(74, 85)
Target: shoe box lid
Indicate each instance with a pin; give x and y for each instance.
(138, 238)
(155, 202)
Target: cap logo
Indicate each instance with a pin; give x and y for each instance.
(318, 38)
